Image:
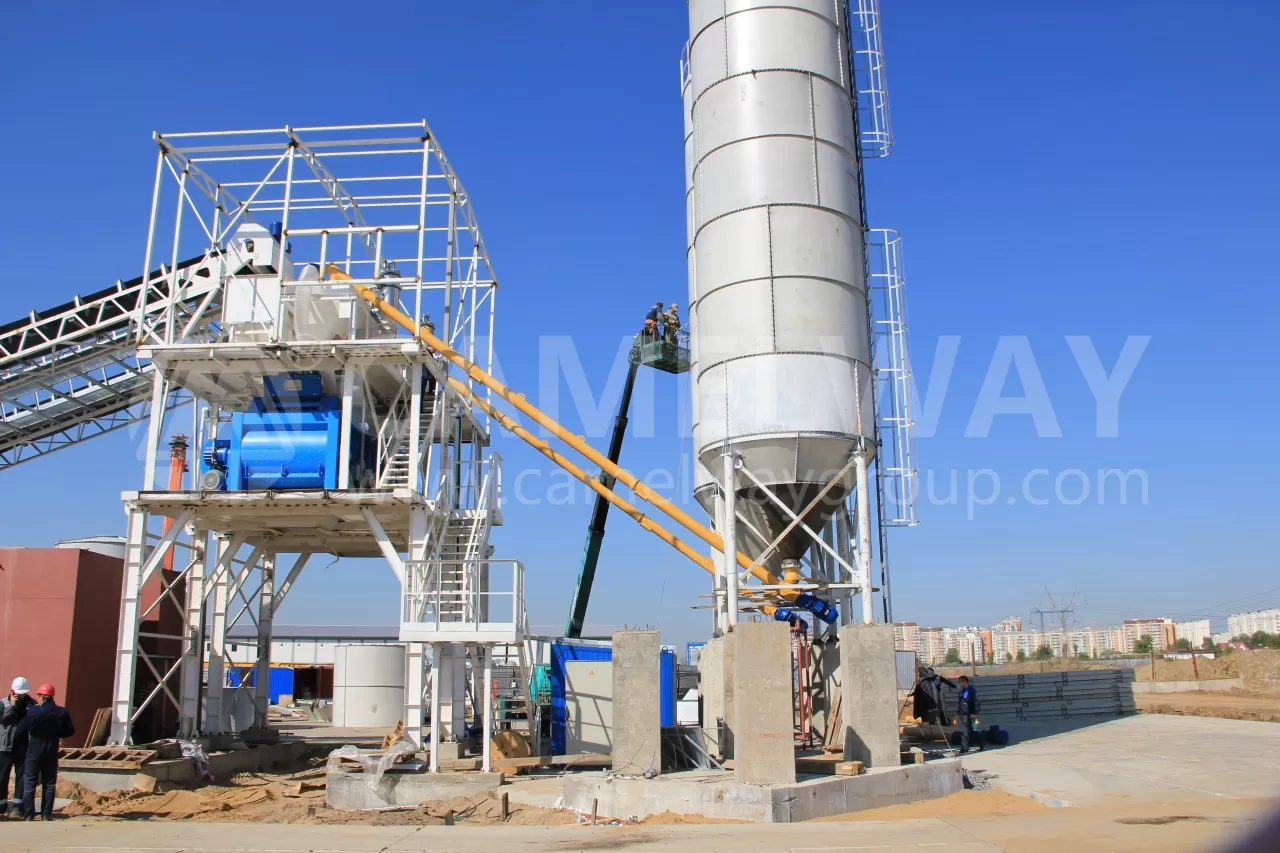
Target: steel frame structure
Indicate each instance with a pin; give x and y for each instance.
(377, 205)
(72, 372)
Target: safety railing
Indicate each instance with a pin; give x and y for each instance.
(463, 601)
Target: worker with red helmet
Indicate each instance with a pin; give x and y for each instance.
(45, 725)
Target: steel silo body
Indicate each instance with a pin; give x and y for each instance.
(782, 364)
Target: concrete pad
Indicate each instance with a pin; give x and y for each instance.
(221, 837)
(1144, 758)
(869, 703)
(637, 710)
(350, 791)
(764, 749)
(716, 794)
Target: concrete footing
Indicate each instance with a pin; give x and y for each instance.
(868, 670)
(181, 771)
(715, 794)
(764, 749)
(637, 708)
(351, 791)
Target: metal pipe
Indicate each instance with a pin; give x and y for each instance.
(177, 467)
(473, 371)
(730, 534)
(864, 534)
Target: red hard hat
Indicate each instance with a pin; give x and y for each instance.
(46, 690)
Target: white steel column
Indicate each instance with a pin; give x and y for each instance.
(844, 547)
(437, 731)
(344, 439)
(262, 666)
(414, 691)
(415, 418)
(730, 535)
(192, 672)
(864, 534)
(215, 692)
(127, 647)
(719, 602)
(487, 728)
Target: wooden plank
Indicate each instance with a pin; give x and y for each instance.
(99, 728)
(586, 759)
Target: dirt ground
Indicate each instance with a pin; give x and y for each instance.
(1232, 705)
(1260, 669)
(961, 803)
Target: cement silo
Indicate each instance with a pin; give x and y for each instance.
(778, 308)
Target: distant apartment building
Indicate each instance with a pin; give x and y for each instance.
(1253, 622)
(932, 649)
(1194, 632)
(967, 642)
(1008, 623)
(1160, 631)
(1094, 642)
(906, 637)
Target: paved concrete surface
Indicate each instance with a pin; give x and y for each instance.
(267, 838)
(1190, 826)
(716, 793)
(1143, 758)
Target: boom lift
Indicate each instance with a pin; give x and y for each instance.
(660, 354)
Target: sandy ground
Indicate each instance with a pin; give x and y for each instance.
(1260, 669)
(1233, 705)
(959, 804)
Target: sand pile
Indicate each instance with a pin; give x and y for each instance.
(1260, 669)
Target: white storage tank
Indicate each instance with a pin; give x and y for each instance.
(778, 311)
(368, 685)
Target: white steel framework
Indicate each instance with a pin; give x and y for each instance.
(377, 205)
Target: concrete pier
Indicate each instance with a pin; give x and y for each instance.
(764, 748)
(637, 711)
(870, 695)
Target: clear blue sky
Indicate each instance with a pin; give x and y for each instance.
(1107, 175)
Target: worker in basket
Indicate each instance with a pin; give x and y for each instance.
(671, 323)
(651, 321)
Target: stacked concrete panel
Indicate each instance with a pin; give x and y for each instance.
(1050, 695)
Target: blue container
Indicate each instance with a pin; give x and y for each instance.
(667, 688)
(279, 683)
(561, 652)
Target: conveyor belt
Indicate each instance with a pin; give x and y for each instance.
(71, 372)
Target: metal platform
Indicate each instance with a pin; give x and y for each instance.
(318, 521)
(661, 354)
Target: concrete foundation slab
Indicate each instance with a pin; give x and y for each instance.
(764, 750)
(181, 771)
(715, 794)
(351, 791)
(637, 710)
(868, 671)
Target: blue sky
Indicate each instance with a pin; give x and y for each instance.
(1055, 175)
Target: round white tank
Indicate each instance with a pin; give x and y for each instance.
(368, 685)
(778, 312)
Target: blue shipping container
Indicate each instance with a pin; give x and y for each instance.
(279, 684)
(561, 652)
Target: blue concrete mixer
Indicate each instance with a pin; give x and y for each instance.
(287, 439)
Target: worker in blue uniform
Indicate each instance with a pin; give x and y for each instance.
(45, 725)
(651, 321)
(966, 708)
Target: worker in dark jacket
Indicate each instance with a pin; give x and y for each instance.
(45, 725)
(13, 747)
(966, 708)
